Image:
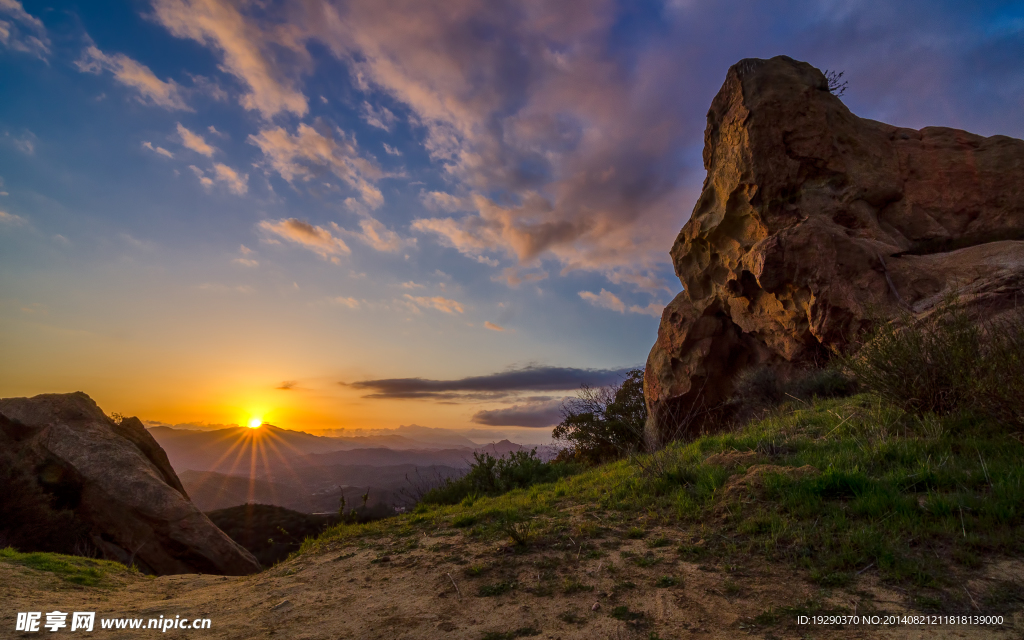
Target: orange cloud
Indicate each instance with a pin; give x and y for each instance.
(316, 239)
(152, 90)
(297, 156)
(436, 302)
(242, 45)
(195, 142)
(605, 299)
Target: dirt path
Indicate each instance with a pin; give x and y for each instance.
(407, 589)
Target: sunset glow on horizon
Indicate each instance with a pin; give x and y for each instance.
(344, 217)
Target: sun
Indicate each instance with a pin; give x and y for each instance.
(255, 423)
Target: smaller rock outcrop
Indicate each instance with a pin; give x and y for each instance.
(118, 483)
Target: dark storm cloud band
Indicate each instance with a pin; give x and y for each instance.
(493, 385)
(546, 414)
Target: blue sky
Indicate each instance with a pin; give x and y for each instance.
(215, 210)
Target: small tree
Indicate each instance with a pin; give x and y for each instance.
(604, 423)
(836, 84)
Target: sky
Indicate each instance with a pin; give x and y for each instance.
(361, 214)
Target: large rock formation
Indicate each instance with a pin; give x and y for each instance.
(118, 483)
(813, 221)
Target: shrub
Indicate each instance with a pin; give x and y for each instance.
(761, 388)
(605, 423)
(492, 476)
(947, 363)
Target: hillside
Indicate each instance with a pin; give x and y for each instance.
(839, 507)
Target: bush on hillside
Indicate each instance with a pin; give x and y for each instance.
(761, 389)
(605, 423)
(947, 363)
(490, 476)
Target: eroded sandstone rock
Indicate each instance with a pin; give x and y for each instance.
(812, 221)
(119, 484)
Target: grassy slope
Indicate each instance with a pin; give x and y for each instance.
(74, 569)
(921, 501)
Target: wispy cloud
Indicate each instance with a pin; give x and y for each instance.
(493, 327)
(515, 276)
(203, 179)
(158, 150)
(349, 302)
(151, 89)
(302, 155)
(22, 31)
(244, 49)
(381, 117)
(654, 309)
(435, 302)
(533, 378)
(11, 219)
(195, 142)
(317, 239)
(236, 183)
(391, 151)
(606, 299)
(373, 233)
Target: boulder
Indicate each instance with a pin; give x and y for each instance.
(812, 224)
(118, 483)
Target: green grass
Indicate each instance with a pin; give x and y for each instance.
(76, 570)
(911, 498)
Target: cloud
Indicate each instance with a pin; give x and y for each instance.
(24, 32)
(287, 385)
(605, 299)
(203, 180)
(537, 414)
(237, 184)
(11, 219)
(246, 262)
(152, 90)
(303, 154)
(493, 327)
(25, 143)
(531, 378)
(528, 102)
(435, 302)
(316, 239)
(411, 285)
(654, 309)
(381, 118)
(195, 142)
(245, 48)
(373, 233)
(391, 151)
(441, 201)
(514, 276)
(351, 303)
(159, 150)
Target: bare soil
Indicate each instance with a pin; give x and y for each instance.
(431, 587)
